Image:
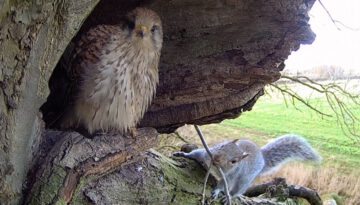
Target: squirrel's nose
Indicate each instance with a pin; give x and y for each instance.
(217, 159)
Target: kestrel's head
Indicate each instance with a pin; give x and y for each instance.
(145, 26)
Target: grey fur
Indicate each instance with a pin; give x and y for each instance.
(286, 148)
(242, 160)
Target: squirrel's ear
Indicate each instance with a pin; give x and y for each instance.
(239, 158)
(235, 141)
(245, 154)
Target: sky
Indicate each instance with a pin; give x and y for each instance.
(331, 46)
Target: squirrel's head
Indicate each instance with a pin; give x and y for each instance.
(229, 155)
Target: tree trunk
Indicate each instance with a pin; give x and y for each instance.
(217, 57)
(114, 170)
(33, 36)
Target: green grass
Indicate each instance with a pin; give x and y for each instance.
(271, 118)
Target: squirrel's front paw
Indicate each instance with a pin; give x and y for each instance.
(216, 193)
(241, 198)
(224, 200)
(179, 154)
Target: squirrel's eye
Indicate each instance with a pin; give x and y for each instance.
(154, 28)
(233, 161)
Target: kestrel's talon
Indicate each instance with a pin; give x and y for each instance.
(133, 132)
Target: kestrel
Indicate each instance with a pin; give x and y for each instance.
(114, 74)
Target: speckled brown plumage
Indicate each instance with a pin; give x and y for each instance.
(114, 73)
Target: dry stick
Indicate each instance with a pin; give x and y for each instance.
(328, 13)
(205, 182)
(335, 22)
(208, 171)
(181, 138)
(226, 187)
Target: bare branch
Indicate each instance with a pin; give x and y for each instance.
(328, 13)
(292, 190)
(339, 100)
(297, 97)
(336, 22)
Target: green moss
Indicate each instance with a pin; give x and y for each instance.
(183, 178)
(78, 197)
(48, 188)
(60, 202)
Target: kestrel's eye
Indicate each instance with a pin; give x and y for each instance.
(131, 25)
(154, 28)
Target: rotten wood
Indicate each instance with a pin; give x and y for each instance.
(77, 158)
(291, 191)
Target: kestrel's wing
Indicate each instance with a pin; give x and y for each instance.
(67, 82)
(88, 51)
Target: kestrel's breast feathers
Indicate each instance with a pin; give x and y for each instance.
(114, 73)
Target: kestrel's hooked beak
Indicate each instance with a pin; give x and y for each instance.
(141, 30)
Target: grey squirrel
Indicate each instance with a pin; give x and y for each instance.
(242, 160)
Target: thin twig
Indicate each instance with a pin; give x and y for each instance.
(328, 13)
(336, 97)
(293, 95)
(203, 141)
(348, 27)
(205, 182)
(168, 146)
(335, 22)
(181, 138)
(226, 186)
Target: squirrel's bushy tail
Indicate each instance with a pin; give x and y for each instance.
(287, 148)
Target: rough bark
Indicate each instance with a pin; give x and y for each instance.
(75, 161)
(33, 36)
(217, 57)
(117, 170)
